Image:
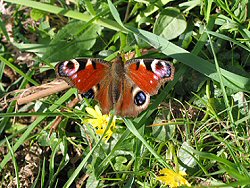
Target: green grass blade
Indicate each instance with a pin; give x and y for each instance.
(63, 162)
(43, 172)
(216, 158)
(68, 13)
(52, 160)
(133, 130)
(221, 83)
(17, 70)
(14, 163)
(25, 135)
(228, 39)
(84, 161)
(3, 28)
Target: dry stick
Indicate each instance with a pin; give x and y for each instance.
(81, 180)
(53, 87)
(44, 91)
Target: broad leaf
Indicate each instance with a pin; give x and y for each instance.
(170, 24)
(74, 40)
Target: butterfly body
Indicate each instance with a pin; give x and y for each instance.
(124, 87)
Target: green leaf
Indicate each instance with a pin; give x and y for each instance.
(73, 40)
(37, 14)
(185, 154)
(121, 159)
(119, 165)
(170, 23)
(92, 181)
(15, 128)
(162, 133)
(115, 14)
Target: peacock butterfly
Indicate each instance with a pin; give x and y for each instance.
(124, 87)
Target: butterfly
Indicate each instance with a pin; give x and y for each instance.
(126, 88)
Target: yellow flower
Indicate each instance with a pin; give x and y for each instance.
(100, 122)
(173, 179)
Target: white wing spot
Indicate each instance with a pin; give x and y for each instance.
(89, 62)
(65, 65)
(153, 65)
(142, 63)
(159, 68)
(74, 61)
(156, 77)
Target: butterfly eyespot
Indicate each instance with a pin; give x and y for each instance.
(68, 68)
(140, 98)
(169, 71)
(70, 65)
(161, 68)
(89, 95)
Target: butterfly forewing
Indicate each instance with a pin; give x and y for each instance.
(149, 74)
(83, 74)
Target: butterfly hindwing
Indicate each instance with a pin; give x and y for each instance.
(132, 100)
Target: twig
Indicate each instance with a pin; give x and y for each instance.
(34, 93)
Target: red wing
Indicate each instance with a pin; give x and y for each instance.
(83, 73)
(89, 76)
(103, 95)
(128, 105)
(149, 74)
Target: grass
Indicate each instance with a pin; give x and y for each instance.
(198, 123)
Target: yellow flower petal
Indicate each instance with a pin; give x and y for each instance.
(182, 173)
(92, 112)
(100, 131)
(94, 122)
(100, 122)
(98, 110)
(173, 179)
